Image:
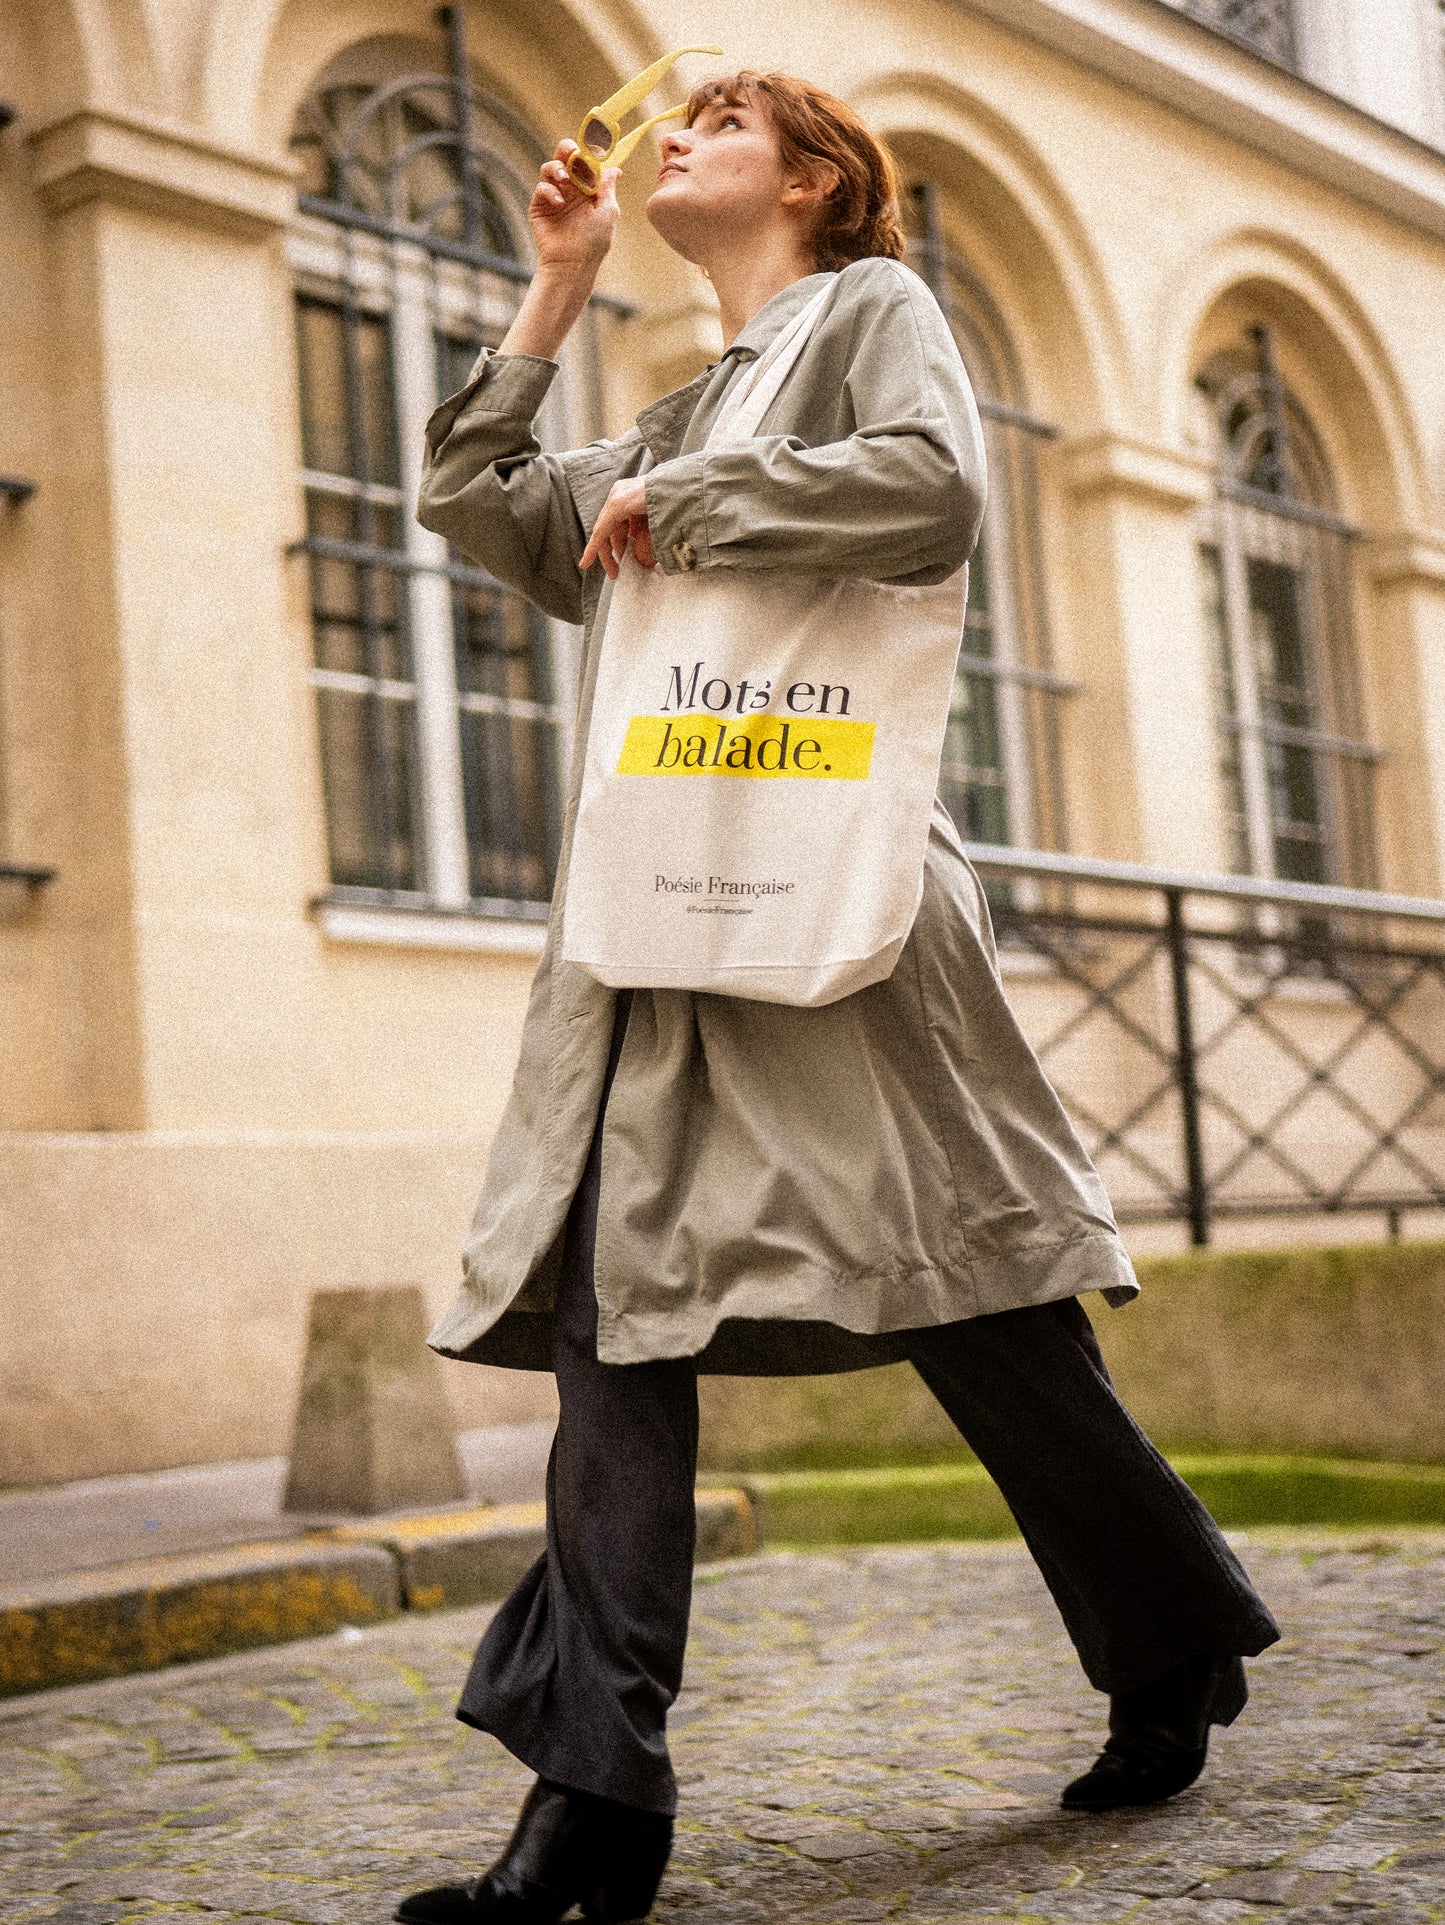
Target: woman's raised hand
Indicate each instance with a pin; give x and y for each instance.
(573, 232)
(572, 229)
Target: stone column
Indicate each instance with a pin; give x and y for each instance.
(1143, 742)
(176, 320)
(1407, 691)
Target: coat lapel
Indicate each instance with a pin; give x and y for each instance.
(663, 425)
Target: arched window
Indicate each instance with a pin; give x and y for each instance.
(443, 700)
(1275, 559)
(1000, 777)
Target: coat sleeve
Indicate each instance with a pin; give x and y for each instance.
(899, 498)
(488, 487)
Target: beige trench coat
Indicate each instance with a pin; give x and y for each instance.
(782, 1188)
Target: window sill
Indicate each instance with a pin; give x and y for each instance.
(421, 925)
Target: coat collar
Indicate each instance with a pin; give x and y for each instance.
(664, 424)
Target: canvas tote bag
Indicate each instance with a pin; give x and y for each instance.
(760, 767)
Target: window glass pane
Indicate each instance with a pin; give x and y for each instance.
(978, 621)
(502, 647)
(325, 431)
(1277, 635)
(348, 413)
(455, 355)
(511, 773)
(357, 612)
(1277, 638)
(1294, 806)
(371, 350)
(1278, 616)
(433, 176)
(366, 759)
(1226, 708)
(397, 159)
(973, 782)
(509, 744)
(358, 609)
(318, 141)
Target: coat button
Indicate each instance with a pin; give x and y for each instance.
(684, 554)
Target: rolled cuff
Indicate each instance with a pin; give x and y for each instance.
(500, 384)
(677, 513)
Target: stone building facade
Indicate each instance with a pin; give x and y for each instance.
(279, 774)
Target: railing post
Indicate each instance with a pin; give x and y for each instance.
(1186, 1070)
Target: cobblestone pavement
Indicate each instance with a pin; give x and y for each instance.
(868, 1735)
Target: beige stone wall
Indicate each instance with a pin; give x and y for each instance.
(157, 1286)
(208, 1106)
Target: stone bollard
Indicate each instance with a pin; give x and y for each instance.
(373, 1430)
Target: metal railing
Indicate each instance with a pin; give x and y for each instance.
(1228, 1046)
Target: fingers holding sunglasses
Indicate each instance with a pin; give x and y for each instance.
(555, 186)
(571, 228)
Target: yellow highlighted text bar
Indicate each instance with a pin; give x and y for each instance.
(819, 748)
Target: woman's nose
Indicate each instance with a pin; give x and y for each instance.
(675, 142)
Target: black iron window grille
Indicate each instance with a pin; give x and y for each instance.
(444, 701)
(1001, 778)
(1276, 563)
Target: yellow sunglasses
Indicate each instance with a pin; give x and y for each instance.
(600, 140)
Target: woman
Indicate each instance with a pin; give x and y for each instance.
(779, 1189)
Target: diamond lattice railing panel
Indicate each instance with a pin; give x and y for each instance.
(1321, 1090)
(1318, 1091)
(1099, 1024)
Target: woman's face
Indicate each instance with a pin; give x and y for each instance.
(722, 182)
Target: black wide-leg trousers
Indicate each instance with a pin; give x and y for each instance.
(579, 1667)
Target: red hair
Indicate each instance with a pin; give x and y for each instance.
(859, 216)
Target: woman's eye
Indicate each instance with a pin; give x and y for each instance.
(730, 120)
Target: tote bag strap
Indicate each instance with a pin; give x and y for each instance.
(750, 397)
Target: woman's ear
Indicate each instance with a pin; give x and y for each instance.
(827, 178)
(817, 182)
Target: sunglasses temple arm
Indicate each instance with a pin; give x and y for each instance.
(628, 142)
(636, 91)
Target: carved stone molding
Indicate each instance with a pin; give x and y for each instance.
(158, 167)
(1409, 558)
(1118, 464)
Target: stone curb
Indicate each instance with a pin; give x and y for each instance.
(475, 1557)
(181, 1608)
(174, 1610)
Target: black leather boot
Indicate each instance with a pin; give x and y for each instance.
(569, 1848)
(1159, 1735)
